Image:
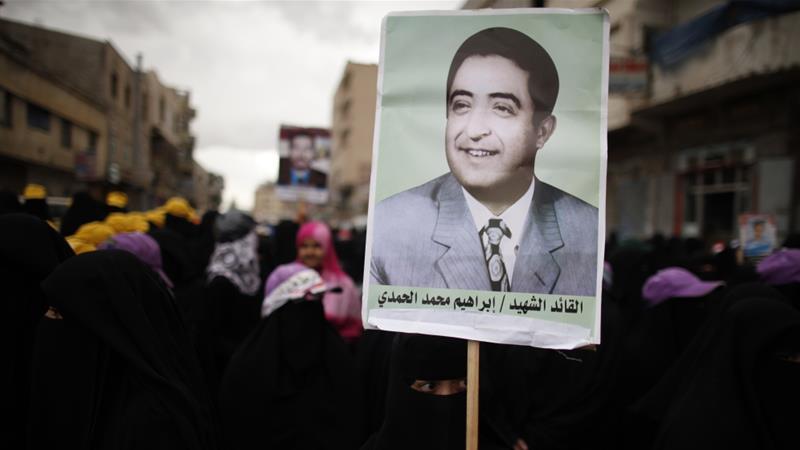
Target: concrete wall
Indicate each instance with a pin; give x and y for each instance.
(742, 52)
(352, 135)
(45, 147)
(96, 72)
(76, 60)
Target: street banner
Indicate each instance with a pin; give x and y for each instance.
(305, 159)
(757, 234)
(487, 196)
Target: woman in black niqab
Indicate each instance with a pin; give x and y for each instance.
(420, 420)
(84, 209)
(739, 388)
(292, 384)
(113, 367)
(231, 301)
(9, 203)
(30, 250)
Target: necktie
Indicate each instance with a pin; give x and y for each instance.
(491, 235)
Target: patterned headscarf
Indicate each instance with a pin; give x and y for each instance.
(288, 282)
(238, 262)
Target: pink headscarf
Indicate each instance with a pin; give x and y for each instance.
(320, 232)
(343, 310)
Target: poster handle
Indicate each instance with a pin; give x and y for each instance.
(473, 380)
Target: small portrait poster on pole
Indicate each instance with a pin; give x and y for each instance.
(305, 159)
(757, 234)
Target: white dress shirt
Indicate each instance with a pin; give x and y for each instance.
(514, 217)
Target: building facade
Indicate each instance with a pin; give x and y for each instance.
(353, 120)
(48, 132)
(700, 109)
(207, 189)
(78, 116)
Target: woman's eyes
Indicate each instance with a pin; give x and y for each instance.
(425, 386)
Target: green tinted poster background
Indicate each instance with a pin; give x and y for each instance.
(409, 151)
(416, 60)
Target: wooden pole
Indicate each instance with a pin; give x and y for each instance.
(473, 383)
(302, 211)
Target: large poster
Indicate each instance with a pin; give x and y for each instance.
(486, 216)
(305, 158)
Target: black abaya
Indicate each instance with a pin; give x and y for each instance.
(719, 382)
(84, 209)
(292, 385)
(119, 364)
(29, 251)
(418, 420)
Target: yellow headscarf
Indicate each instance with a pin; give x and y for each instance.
(127, 223)
(156, 216)
(34, 192)
(94, 233)
(117, 198)
(80, 246)
(179, 207)
(138, 221)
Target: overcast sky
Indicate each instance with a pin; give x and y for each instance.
(250, 66)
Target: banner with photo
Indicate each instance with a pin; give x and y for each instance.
(305, 160)
(757, 236)
(487, 196)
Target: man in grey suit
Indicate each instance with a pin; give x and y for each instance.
(489, 224)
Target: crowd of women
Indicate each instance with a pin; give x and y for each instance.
(169, 330)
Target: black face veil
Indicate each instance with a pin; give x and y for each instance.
(419, 420)
(292, 384)
(29, 251)
(738, 391)
(114, 367)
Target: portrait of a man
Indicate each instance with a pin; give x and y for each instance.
(757, 235)
(298, 170)
(489, 224)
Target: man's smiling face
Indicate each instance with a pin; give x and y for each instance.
(490, 137)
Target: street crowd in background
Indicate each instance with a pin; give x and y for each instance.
(166, 329)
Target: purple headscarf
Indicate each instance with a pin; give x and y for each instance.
(143, 247)
(675, 282)
(781, 267)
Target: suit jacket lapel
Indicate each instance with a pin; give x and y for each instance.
(536, 270)
(461, 262)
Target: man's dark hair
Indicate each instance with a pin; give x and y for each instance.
(299, 134)
(523, 51)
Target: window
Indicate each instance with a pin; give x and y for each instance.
(38, 118)
(346, 80)
(92, 148)
(5, 108)
(344, 138)
(145, 105)
(66, 133)
(113, 85)
(162, 112)
(345, 108)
